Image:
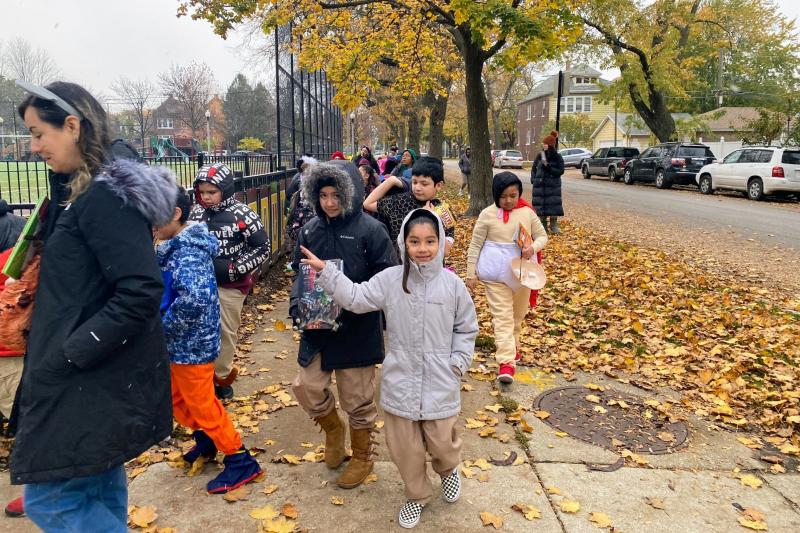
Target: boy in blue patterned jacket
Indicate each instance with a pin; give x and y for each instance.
(191, 318)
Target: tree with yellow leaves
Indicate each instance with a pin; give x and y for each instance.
(331, 35)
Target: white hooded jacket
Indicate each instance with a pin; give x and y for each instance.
(430, 331)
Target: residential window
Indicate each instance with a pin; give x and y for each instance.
(544, 106)
(528, 137)
(576, 104)
(165, 137)
(584, 80)
(529, 111)
(164, 124)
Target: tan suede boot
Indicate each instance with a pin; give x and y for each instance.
(360, 465)
(334, 438)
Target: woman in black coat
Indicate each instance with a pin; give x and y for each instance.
(546, 179)
(95, 389)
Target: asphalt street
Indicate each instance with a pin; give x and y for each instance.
(770, 222)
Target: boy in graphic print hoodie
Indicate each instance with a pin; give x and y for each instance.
(244, 246)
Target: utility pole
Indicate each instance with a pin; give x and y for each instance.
(719, 80)
(558, 103)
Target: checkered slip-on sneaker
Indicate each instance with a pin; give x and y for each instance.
(451, 486)
(410, 514)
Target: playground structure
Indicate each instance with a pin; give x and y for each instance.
(162, 148)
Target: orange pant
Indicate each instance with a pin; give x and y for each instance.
(196, 407)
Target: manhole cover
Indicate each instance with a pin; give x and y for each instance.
(616, 421)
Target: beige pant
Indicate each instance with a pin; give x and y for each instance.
(10, 374)
(356, 386)
(408, 440)
(508, 311)
(231, 302)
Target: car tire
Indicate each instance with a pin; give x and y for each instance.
(705, 185)
(627, 178)
(612, 174)
(661, 180)
(585, 172)
(755, 189)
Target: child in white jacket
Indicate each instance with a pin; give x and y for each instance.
(431, 326)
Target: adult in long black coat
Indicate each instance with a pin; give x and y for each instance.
(546, 179)
(341, 230)
(95, 389)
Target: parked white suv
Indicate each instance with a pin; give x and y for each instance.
(755, 170)
(508, 158)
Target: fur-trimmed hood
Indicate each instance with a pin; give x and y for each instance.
(344, 176)
(151, 190)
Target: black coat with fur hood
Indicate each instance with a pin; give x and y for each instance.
(365, 248)
(95, 389)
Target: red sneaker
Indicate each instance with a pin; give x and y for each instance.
(506, 374)
(15, 508)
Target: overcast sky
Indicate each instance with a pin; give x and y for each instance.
(96, 41)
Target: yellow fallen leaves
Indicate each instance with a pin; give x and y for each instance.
(636, 458)
(592, 398)
(749, 480)
(336, 500)
(281, 525)
(264, 513)
(236, 495)
(490, 519)
(753, 519)
(541, 414)
(474, 424)
(528, 511)
(569, 506)
(600, 520)
(705, 335)
(141, 516)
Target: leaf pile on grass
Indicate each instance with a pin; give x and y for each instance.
(648, 317)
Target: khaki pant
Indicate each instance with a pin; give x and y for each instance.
(408, 440)
(10, 374)
(356, 386)
(231, 302)
(508, 311)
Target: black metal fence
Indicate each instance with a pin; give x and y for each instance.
(22, 183)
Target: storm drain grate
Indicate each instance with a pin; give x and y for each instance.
(611, 419)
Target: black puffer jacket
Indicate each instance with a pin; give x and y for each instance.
(546, 180)
(244, 245)
(363, 244)
(95, 389)
(10, 226)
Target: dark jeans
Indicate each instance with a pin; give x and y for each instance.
(93, 503)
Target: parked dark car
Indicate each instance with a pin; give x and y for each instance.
(668, 164)
(609, 162)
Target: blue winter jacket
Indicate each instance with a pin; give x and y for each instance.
(190, 305)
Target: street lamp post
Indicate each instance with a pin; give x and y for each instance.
(208, 131)
(2, 138)
(352, 134)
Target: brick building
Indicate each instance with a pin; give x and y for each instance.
(582, 85)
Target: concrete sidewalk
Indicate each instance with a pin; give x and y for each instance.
(692, 490)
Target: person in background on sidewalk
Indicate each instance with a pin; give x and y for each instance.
(244, 247)
(371, 179)
(95, 389)
(403, 170)
(190, 315)
(366, 153)
(465, 164)
(489, 257)
(546, 179)
(10, 226)
(421, 376)
(342, 231)
(337, 156)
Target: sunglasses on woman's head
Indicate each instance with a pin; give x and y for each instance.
(48, 95)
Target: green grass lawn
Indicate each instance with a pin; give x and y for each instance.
(23, 182)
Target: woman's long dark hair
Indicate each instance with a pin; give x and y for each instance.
(94, 139)
(422, 217)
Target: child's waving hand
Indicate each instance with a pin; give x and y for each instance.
(312, 260)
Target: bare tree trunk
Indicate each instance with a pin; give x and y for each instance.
(414, 131)
(438, 111)
(480, 180)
